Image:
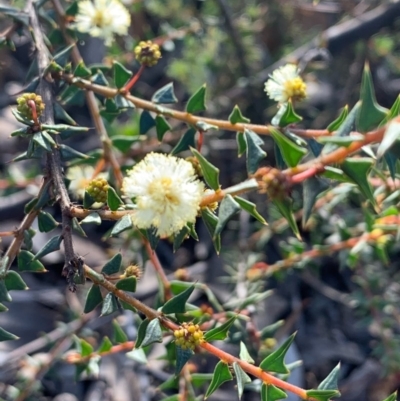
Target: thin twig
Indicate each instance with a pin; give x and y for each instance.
(16, 244)
(91, 101)
(180, 115)
(72, 261)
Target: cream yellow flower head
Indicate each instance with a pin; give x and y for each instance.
(285, 83)
(166, 193)
(102, 19)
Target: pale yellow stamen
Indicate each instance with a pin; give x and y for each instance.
(295, 89)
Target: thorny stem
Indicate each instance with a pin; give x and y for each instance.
(263, 269)
(337, 156)
(91, 101)
(176, 114)
(151, 314)
(16, 244)
(77, 358)
(72, 261)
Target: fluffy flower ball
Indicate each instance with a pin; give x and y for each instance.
(102, 19)
(285, 83)
(166, 192)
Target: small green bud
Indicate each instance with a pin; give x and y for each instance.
(25, 109)
(98, 189)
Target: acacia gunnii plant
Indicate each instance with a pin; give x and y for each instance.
(162, 195)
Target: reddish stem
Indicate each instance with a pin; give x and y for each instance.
(133, 80)
(7, 234)
(298, 178)
(32, 106)
(200, 140)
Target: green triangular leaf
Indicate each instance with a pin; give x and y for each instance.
(250, 208)
(285, 208)
(177, 304)
(220, 332)
(210, 172)
(7, 336)
(392, 397)
(180, 237)
(291, 152)
(236, 116)
(4, 295)
(124, 223)
(127, 284)
(228, 208)
(204, 127)
(152, 334)
(26, 262)
(391, 135)
(87, 200)
(357, 169)
(138, 355)
(46, 222)
(241, 378)
(77, 227)
(146, 122)
(13, 281)
(42, 141)
(93, 298)
(371, 114)
(254, 152)
(241, 143)
(121, 74)
(110, 304)
(67, 153)
(182, 356)
(81, 71)
(271, 393)
(165, 95)
(92, 218)
(113, 265)
(221, 375)
(393, 112)
(211, 221)
(186, 142)
(196, 102)
(289, 116)
(331, 381)
(113, 200)
(275, 361)
(162, 127)
(322, 395)
(244, 354)
(335, 125)
(119, 336)
(105, 345)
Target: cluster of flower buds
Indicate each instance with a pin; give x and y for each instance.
(147, 53)
(25, 107)
(273, 182)
(133, 271)
(98, 189)
(188, 336)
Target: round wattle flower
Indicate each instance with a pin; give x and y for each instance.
(102, 19)
(166, 193)
(285, 83)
